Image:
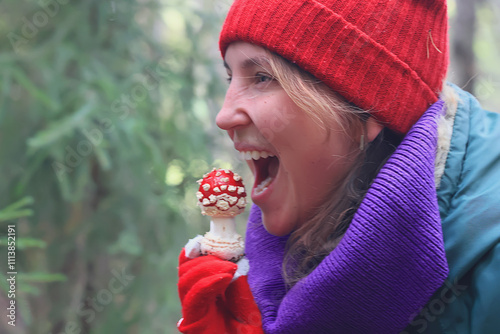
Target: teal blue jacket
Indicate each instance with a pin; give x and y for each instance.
(469, 204)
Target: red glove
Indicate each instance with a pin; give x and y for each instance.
(210, 302)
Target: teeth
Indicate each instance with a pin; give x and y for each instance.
(263, 185)
(255, 155)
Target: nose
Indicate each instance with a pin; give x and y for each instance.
(234, 112)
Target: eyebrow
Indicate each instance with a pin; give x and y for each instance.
(251, 62)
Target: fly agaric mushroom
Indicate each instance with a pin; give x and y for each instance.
(222, 196)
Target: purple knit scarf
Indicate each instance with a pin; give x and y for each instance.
(388, 264)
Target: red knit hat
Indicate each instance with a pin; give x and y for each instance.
(387, 57)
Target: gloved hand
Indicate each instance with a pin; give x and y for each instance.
(211, 301)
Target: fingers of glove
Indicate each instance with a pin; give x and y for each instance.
(213, 322)
(211, 264)
(182, 257)
(197, 269)
(203, 295)
(237, 327)
(240, 301)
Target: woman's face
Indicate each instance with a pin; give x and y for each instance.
(294, 161)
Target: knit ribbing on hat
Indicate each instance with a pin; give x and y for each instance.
(385, 269)
(387, 57)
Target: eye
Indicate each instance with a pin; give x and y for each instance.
(229, 75)
(262, 77)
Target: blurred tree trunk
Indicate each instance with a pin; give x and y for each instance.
(462, 44)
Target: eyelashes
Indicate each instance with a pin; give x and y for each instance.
(258, 78)
(262, 77)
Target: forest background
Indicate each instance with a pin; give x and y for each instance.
(107, 115)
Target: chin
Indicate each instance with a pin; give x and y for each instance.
(277, 226)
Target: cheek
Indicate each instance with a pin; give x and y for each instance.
(277, 117)
(317, 170)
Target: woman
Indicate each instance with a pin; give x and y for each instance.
(376, 201)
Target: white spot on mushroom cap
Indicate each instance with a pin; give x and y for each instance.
(241, 190)
(231, 188)
(206, 187)
(224, 179)
(222, 204)
(216, 190)
(206, 201)
(199, 195)
(212, 198)
(227, 198)
(242, 202)
(223, 187)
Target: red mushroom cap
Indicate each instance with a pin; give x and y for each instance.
(221, 194)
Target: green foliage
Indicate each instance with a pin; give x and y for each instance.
(106, 121)
(12, 243)
(16, 210)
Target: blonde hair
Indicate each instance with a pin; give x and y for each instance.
(314, 97)
(317, 237)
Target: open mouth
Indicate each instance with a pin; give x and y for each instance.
(266, 167)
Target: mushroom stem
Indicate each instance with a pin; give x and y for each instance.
(223, 227)
(222, 240)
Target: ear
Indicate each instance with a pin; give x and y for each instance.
(373, 128)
